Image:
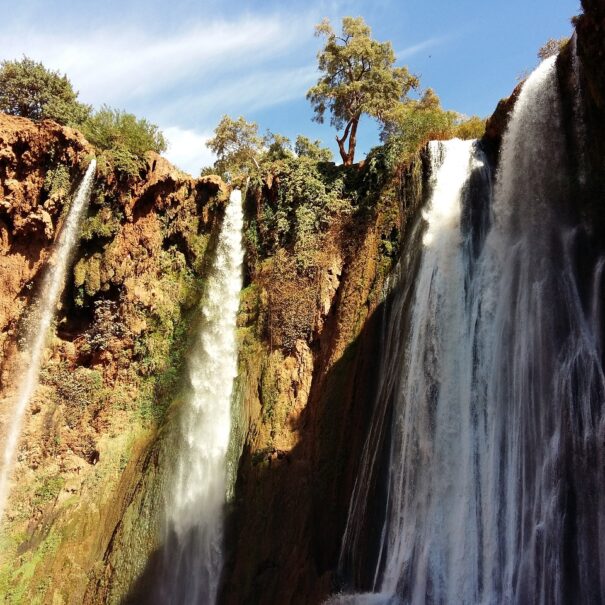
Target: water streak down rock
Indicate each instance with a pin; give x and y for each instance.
(50, 293)
(196, 492)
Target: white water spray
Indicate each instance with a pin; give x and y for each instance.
(195, 503)
(495, 478)
(52, 287)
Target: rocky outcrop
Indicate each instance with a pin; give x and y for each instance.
(111, 369)
(32, 194)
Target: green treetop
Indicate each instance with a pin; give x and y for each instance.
(30, 90)
(237, 146)
(358, 77)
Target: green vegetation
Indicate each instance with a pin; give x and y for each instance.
(48, 490)
(359, 77)
(57, 182)
(122, 139)
(411, 125)
(305, 148)
(30, 90)
(237, 146)
(80, 391)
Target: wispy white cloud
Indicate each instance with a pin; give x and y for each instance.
(249, 92)
(181, 79)
(120, 65)
(187, 149)
(410, 51)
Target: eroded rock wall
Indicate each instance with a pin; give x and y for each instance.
(309, 357)
(113, 364)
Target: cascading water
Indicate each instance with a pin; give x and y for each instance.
(496, 472)
(50, 293)
(194, 505)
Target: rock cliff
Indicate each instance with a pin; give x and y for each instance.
(111, 368)
(82, 525)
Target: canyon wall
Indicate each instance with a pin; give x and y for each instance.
(115, 359)
(83, 521)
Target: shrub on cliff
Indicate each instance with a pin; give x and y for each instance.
(470, 128)
(305, 147)
(123, 137)
(552, 47)
(30, 90)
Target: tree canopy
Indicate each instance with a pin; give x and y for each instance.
(359, 77)
(237, 146)
(305, 147)
(30, 90)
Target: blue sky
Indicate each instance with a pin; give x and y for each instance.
(185, 63)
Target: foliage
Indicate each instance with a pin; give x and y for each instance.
(278, 147)
(48, 490)
(107, 325)
(305, 147)
(411, 125)
(103, 224)
(470, 128)
(30, 90)
(124, 137)
(57, 182)
(80, 390)
(237, 146)
(552, 47)
(358, 77)
(308, 196)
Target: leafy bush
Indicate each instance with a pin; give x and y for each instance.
(308, 195)
(30, 90)
(305, 147)
(413, 124)
(124, 138)
(471, 128)
(79, 391)
(57, 182)
(237, 146)
(552, 47)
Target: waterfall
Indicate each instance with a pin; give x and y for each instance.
(50, 293)
(495, 489)
(194, 503)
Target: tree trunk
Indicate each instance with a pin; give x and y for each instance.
(351, 129)
(352, 142)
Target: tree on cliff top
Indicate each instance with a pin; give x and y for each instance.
(359, 77)
(30, 90)
(237, 146)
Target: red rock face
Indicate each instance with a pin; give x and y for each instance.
(29, 215)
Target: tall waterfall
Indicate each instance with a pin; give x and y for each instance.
(196, 496)
(50, 293)
(496, 469)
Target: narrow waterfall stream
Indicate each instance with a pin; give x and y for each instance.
(196, 496)
(51, 290)
(495, 484)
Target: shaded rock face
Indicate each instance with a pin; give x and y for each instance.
(309, 356)
(111, 369)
